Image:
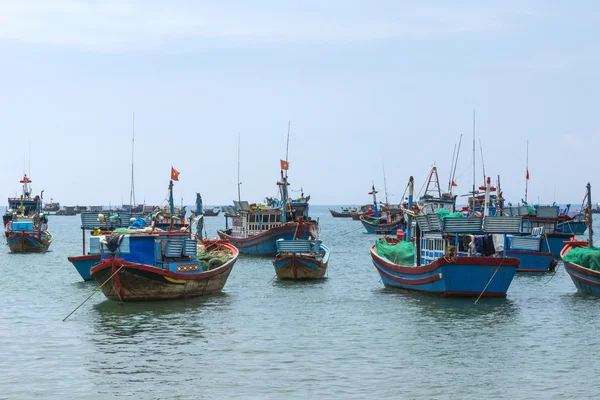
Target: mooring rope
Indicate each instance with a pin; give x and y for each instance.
(93, 293)
(490, 281)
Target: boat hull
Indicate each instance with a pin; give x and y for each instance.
(533, 261)
(298, 267)
(83, 265)
(336, 214)
(265, 243)
(555, 243)
(586, 280)
(574, 227)
(27, 242)
(128, 281)
(380, 229)
(466, 277)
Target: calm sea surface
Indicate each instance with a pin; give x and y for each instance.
(344, 337)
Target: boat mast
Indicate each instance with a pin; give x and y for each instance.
(238, 176)
(374, 193)
(199, 215)
(527, 169)
(132, 193)
(385, 185)
(589, 216)
(411, 185)
(473, 193)
(451, 166)
(456, 161)
(171, 205)
(284, 183)
(482, 163)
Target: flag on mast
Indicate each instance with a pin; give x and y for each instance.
(527, 176)
(285, 165)
(454, 183)
(174, 174)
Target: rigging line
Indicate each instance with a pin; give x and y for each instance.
(482, 164)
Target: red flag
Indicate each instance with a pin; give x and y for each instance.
(454, 183)
(174, 174)
(527, 176)
(285, 165)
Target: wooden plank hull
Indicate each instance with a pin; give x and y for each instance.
(299, 267)
(28, 242)
(336, 214)
(129, 281)
(265, 243)
(84, 264)
(466, 277)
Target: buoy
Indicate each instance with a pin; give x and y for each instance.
(400, 234)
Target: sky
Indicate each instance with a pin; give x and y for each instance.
(365, 86)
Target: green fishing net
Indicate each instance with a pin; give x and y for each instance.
(587, 257)
(213, 259)
(443, 213)
(402, 253)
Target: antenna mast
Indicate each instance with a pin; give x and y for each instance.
(456, 161)
(482, 163)
(132, 194)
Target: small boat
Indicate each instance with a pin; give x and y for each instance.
(529, 249)
(51, 207)
(363, 210)
(161, 265)
(441, 264)
(257, 228)
(26, 226)
(382, 223)
(301, 259)
(345, 213)
(582, 259)
(574, 224)
(212, 212)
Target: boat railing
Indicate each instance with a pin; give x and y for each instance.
(472, 225)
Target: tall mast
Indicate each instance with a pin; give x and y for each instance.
(527, 169)
(385, 185)
(411, 186)
(238, 176)
(456, 161)
(132, 194)
(589, 215)
(482, 163)
(473, 194)
(451, 166)
(287, 146)
(374, 193)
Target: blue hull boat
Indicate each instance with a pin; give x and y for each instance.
(265, 243)
(380, 229)
(555, 243)
(533, 261)
(466, 277)
(301, 259)
(83, 264)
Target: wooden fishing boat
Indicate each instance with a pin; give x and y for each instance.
(574, 223)
(26, 226)
(257, 228)
(441, 264)
(379, 223)
(160, 265)
(212, 212)
(345, 213)
(301, 259)
(581, 258)
(364, 210)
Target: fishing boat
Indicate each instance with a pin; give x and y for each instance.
(51, 207)
(104, 223)
(256, 228)
(301, 259)
(581, 258)
(382, 223)
(366, 209)
(212, 212)
(530, 250)
(443, 263)
(575, 223)
(160, 265)
(345, 213)
(26, 226)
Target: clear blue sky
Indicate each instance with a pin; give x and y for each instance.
(363, 83)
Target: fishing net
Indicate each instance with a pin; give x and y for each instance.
(213, 259)
(587, 257)
(443, 213)
(402, 253)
